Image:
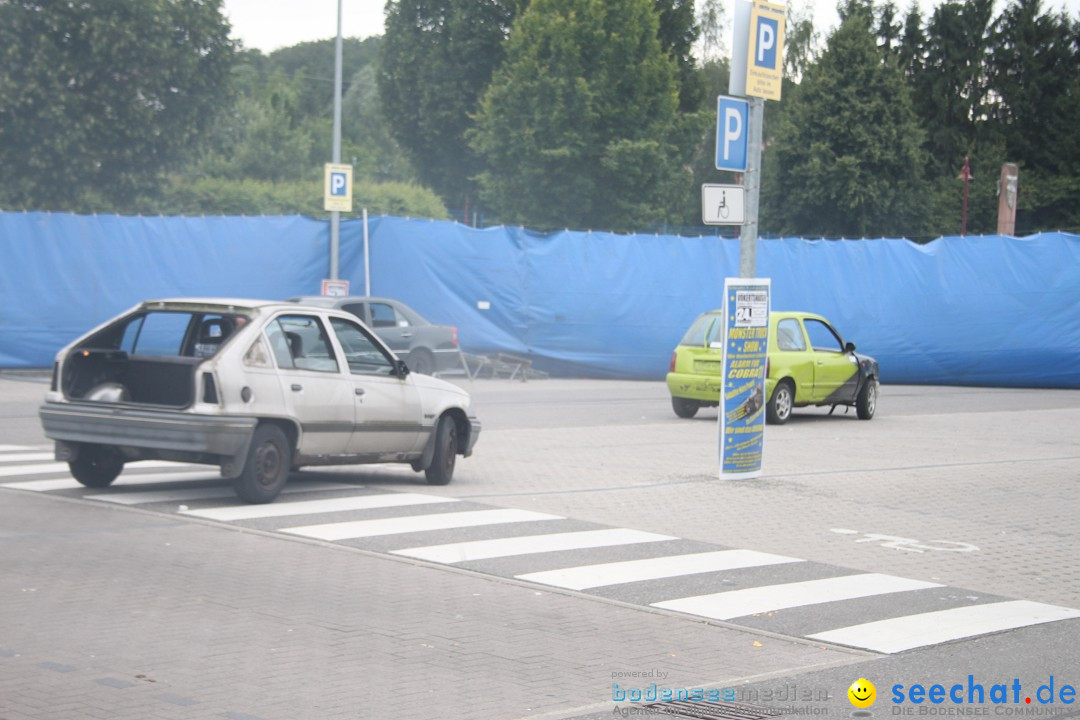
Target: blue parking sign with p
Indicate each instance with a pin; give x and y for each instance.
(339, 183)
(337, 188)
(768, 32)
(732, 123)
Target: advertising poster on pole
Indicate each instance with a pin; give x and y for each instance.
(742, 399)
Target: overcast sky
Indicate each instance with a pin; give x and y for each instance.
(272, 24)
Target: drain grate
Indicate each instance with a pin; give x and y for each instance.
(707, 710)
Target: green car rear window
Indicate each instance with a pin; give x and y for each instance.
(709, 324)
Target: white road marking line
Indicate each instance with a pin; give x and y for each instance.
(26, 456)
(737, 603)
(590, 576)
(62, 467)
(912, 631)
(416, 523)
(311, 507)
(140, 497)
(530, 545)
(8, 448)
(69, 483)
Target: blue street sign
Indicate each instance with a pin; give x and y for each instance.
(339, 183)
(765, 51)
(732, 123)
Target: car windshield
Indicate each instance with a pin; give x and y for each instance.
(704, 331)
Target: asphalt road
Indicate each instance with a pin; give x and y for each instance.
(950, 499)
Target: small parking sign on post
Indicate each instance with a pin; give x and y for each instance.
(338, 188)
(765, 64)
(732, 124)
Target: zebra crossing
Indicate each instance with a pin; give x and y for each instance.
(785, 595)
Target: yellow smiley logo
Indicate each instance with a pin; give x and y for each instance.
(862, 693)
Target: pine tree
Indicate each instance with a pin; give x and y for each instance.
(575, 127)
(846, 159)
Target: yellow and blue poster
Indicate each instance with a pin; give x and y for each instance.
(742, 399)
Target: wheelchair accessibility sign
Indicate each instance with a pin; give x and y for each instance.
(337, 195)
(765, 60)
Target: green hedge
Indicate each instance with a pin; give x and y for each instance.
(217, 196)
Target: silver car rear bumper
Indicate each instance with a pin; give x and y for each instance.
(150, 434)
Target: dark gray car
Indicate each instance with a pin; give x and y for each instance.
(426, 348)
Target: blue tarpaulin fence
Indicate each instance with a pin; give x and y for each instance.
(984, 310)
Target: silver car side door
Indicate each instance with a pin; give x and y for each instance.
(388, 409)
(317, 392)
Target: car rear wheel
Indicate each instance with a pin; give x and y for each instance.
(267, 468)
(866, 403)
(684, 407)
(421, 361)
(780, 404)
(96, 466)
(441, 470)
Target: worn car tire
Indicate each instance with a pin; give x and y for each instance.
(421, 361)
(779, 407)
(684, 407)
(267, 466)
(441, 470)
(866, 403)
(96, 466)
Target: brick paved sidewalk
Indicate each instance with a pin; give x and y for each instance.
(114, 613)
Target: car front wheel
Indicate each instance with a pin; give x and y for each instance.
(267, 468)
(778, 410)
(441, 470)
(866, 403)
(684, 407)
(96, 466)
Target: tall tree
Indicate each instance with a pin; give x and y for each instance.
(951, 92)
(1034, 64)
(378, 155)
(711, 24)
(912, 44)
(846, 158)
(311, 65)
(264, 137)
(888, 28)
(576, 126)
(1035, 74)
(437, 58)
(97, 100)
(800, 41)
(678, 32)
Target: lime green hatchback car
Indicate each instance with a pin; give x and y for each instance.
(808, 364)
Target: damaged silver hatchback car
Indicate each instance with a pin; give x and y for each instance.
(258, 388)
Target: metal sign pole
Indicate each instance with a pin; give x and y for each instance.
(752, 182)
(335, 216)
(367, 259)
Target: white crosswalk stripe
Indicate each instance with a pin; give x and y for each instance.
(16, 448)
(10, 457)
(591, 576)
(738, 603)
(530, 545)
(416, 523)
(126, 479)
(62, 467)
(912, 631)
(312, 507)
(142, 497)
